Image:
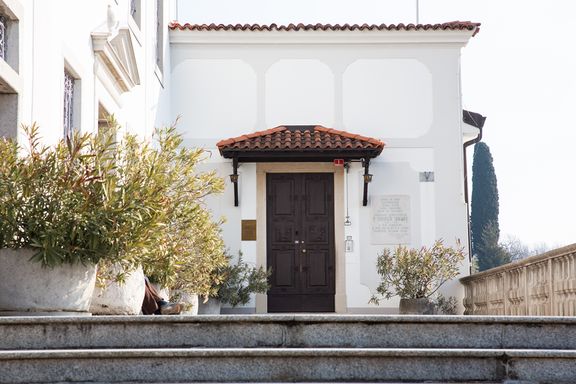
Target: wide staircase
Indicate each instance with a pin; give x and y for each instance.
(288, 348)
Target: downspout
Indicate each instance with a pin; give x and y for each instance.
(464, 147)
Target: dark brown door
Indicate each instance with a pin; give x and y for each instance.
(300, 241)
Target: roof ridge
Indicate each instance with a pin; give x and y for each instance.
(350, 135)
(298, 136)
(247, 136)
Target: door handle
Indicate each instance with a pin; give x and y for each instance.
(303, 251)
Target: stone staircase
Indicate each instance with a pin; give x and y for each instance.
(288, 348)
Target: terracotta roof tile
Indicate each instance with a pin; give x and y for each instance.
(449, 26)
(300, 138)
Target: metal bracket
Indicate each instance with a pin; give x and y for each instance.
(367, 179)
(234, 178)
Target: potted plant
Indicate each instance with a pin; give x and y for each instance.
(54, 223)
(416, 274)
(93, 200)
(185, 245)
(235, 283)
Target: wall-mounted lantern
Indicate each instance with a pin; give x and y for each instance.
(349, 244)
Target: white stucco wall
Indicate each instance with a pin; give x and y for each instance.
(406, 94)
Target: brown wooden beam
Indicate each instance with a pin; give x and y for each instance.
(367, 179)
(235, 180)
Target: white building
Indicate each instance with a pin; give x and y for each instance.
(102, 54)
(392, 84)
(342, 140)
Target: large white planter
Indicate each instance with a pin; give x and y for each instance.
(120, 299)
(188, 300)
(421, 306)
(211, 307)
(26, 288)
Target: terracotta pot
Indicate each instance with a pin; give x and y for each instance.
(28, 289)
(120, 299)
(422, 306)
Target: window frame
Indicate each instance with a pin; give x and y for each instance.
(3, 35)
(71, 105)
(159, 44)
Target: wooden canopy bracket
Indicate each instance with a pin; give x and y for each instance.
(234, 179)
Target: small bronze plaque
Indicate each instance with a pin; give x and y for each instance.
(248, 230)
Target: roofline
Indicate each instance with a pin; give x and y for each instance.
(281, 128)
(473, 118)
(452, 25)
(296, 155)
(458, 33)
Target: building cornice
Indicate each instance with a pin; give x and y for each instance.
(457, 33)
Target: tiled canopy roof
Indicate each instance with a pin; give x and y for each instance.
(300, 142)
(451, 26)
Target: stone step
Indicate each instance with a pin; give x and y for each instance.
(288, 331)
(287, 365)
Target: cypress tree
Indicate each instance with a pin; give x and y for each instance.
(485, 230)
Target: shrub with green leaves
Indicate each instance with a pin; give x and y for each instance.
(239, 280)
(50, 199)
(416, 273)
(93, 199)
(189, 246)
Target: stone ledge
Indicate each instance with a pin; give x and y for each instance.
(289, 318)
(289, 365)
(283, 352)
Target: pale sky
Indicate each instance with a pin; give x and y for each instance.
(519, 71)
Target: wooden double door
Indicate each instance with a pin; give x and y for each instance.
(300, 241)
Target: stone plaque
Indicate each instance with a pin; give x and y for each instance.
(391, 219)
(248, 230)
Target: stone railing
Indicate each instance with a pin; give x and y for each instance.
(543, 285)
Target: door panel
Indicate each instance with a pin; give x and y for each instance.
(300, 242)
(317, 268)
(282, 228)
(284, 191)
(284, 261)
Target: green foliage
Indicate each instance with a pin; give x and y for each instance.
(416, 273)
(492, 254)
(188, 243)
(446, 306)
(240, 280)
(484, 206)
(91, 199)
(51, 200)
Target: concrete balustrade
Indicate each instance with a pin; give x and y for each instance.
(542, 285)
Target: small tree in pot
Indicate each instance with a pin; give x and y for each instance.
(91, 199)
(55, 211)
(236, 282)
(416, 274)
